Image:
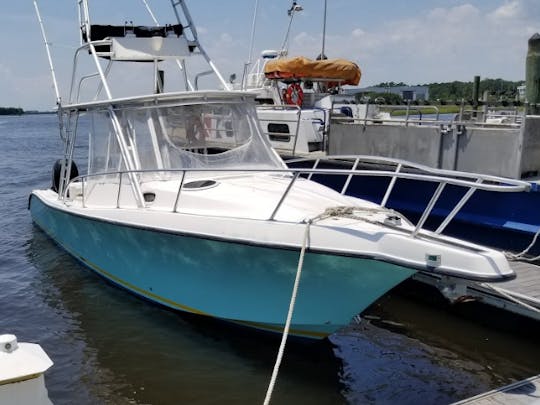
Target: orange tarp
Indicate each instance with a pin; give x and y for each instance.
(300, 67)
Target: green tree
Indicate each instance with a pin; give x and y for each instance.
(11, 111)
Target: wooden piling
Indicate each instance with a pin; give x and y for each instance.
(532, 74)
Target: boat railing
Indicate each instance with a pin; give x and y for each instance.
(178, 42)
(454, 121)
(412, 114)
(392, 168)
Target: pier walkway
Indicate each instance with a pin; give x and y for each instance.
(520, 295)
(526, 392)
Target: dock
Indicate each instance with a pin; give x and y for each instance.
(525, 392)
(520, 295)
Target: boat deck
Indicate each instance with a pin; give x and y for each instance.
(520, 393)
(525, 288)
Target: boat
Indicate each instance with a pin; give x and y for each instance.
(22, 366)
(296, 96)
(183, 202)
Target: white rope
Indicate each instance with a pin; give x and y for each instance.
(520, 255)
(289, 316)
(353, 211)
(341, 211)
(511, 297)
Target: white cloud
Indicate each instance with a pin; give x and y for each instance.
(454, 15)
(438, 44)
(442, 44)
(358, 32)
(509, 10)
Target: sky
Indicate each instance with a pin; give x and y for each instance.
(414, 41)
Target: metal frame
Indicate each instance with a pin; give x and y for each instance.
(181, 13)
(406, 120)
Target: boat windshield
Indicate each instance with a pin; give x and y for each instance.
(210, 135)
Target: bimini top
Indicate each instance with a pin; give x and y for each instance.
(341, 70)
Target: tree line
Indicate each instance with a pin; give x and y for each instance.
(498, 90)
(11, 111)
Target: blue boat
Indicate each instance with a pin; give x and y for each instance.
(507, 221)
(184, 202)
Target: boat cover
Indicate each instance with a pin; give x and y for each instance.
(299, 67)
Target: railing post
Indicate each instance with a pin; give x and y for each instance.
(428, 209)
(175, 208)
(314, 167)
(299, 114)
(390, 186)
(407, 112)
(83, 199)
(349, 177)
(458, 207)
(365, 116)
(119, 190)
(296, 174)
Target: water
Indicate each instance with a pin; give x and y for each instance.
(112, 348)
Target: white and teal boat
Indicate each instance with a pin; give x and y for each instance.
(185, 203)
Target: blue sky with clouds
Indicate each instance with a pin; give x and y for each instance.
(417, 41)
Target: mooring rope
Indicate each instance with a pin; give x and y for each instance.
(289, 316)
(510, 297)
(521, 255)
(340, 211)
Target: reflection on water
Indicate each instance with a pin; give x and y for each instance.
(111, 347)
(126, 348)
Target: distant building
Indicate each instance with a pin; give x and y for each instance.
(411, 93)
(522, 92)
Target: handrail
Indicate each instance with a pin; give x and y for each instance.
(510, 185)
(416, 166)
(472, 182)
(399, 121)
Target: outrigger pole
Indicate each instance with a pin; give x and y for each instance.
(47, 48)
(150, 12)
(324, 31)
(252, 40)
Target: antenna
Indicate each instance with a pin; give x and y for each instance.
(252, 40)
(47, 48)
(253, 31)
(295, 8)
(323, 56)
(150, 12)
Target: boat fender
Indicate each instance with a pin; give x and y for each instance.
(294, 95)
(57, 170)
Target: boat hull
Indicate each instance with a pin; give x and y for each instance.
(234, 281)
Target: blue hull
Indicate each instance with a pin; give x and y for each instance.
(242, 283)
(504, 220)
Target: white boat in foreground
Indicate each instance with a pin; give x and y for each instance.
(21, 372)
(185, 203)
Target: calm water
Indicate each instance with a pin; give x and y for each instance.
(111, 348)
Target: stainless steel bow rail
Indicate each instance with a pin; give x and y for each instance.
(403, 170)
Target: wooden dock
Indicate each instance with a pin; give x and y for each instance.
(508, 295)
(526, 392)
